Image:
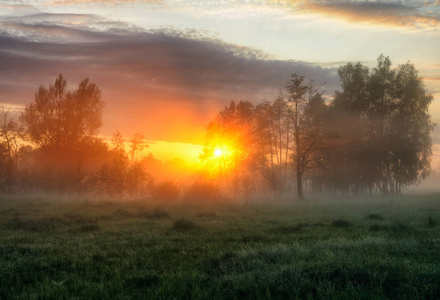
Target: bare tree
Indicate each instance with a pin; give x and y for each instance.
(137, 144)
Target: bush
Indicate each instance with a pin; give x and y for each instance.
(202, 191)
(341, 223)
(375, 217)
(184, 225)
(431, 222)
(87, 228)
(167, 190)
(157, 214)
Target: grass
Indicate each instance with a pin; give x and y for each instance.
(380, 248)
(184, 225)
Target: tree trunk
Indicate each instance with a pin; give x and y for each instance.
(299, 183)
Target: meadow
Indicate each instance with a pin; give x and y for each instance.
(338, 248)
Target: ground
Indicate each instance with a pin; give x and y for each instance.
(350, 248)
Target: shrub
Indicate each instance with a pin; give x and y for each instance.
(87, 228)
(394, 228)
(431, 222)
(167, 190)
(120, 213)
(375, 217)
(341, 223)
(184, 225)
(157, 214)
(209, 215)
(202, 191)
(32, 224)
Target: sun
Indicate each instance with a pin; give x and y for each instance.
(217, 152)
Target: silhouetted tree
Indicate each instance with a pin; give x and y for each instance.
(274, 139)
(232, 131)
(58, 119)
(305, 110)
(11, 134)
(62, 124)
(137, 144)
(112, 176)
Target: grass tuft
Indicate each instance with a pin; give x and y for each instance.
(87, 228)
(431, 222)
(377, 217)
(286, 229)
(208, 215)
(157, 214)
(120, 213)
(252, 238)
(393, 228)
(77, 219)
(142, 279)
(184, 225)
(38, 225)
(341, 223)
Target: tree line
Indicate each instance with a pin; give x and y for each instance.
(372, 137)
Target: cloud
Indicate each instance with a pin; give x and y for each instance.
(433, 78)
(142, 73)
(17, 8)
(431, 3)
(396, 14)
(101, 2)
(45, 26)
(409, 13)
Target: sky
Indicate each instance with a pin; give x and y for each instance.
(167, 67)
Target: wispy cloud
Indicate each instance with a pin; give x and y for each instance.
(380, 12)
(413, 14)
(101, 2)
(432, 78)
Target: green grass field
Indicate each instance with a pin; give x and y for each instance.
(354, 248)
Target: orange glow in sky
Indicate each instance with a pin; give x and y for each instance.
(163, 150)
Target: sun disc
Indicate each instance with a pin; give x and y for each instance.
(217, 152)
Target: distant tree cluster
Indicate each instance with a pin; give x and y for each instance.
(54, 147)
(374, 136)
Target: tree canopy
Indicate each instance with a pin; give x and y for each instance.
(59, 119)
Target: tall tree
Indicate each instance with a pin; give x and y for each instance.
(58, 119)
(305, 110)
(62, 125)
